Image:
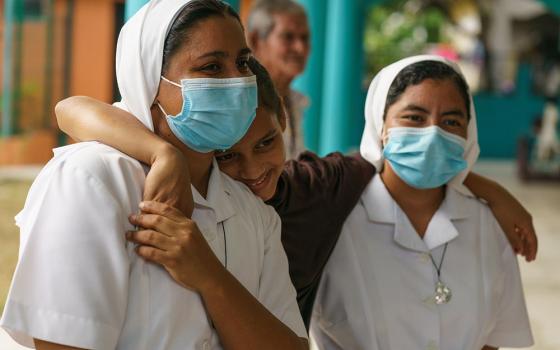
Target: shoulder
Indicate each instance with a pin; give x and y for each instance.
(88, 168)
(479, 214)
(245, 200)
(98, 160)
(310, 165)
(466, 204)
(298, 99)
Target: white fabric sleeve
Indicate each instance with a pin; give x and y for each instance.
(276, 291)
(512, 327)
(71, 281)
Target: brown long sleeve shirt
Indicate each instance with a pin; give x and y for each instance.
(313, 198)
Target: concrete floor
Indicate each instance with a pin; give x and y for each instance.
(541, 278)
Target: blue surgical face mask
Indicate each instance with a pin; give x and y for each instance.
(425, 157)
(216, 112)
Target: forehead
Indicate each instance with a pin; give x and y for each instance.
(430, 93)
(215, 33)
(291, 22)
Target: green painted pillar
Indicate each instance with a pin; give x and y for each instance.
(553, 5)
(311, 81)
(11, 68)
(7, 90)
(234, 4)
(341, 109)
(131, 6)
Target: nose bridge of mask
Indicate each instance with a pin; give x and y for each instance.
(209, 93)
(427, 134)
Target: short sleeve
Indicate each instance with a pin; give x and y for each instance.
(71, 281)
(512, 328)
(276, 291)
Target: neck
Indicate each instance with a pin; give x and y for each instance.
(281, 81)
(199, 164)
(419, 205)
(283, 85)
(200, 167)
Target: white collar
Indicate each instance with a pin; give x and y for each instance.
(382, 208)
(218, 197)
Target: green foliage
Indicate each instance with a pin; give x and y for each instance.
(400, 28)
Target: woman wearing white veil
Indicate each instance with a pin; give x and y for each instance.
(420, 264)
(80, 284)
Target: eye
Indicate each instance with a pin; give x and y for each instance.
(288, 36)
(211, 68)
(265, 143)
(225, 157)
(452, 122)
(414, 117)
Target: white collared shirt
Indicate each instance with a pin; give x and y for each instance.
(79, 282)
(378, 286)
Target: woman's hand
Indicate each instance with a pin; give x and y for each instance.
(517, 223)
(174, 241)
(168, 180)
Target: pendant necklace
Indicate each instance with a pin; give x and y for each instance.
(443, 293)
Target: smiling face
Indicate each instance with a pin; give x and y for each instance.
(214, 48)
(258, 159)
(431, 102)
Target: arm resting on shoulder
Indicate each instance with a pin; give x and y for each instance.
(513, 218)
(86, 119)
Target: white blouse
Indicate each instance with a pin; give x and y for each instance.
(378, 286)
(78, 281)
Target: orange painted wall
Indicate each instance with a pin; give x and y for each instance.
(93, 51)
(244, 8)
(91, 73)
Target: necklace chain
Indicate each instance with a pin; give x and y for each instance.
(225, 246)
(438, 269)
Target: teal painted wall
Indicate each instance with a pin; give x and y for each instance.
(132, 6)
(503, 119)
(310, 82)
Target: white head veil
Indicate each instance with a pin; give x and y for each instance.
(371, 148)
(140, 56)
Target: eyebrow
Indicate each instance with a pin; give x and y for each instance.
(271, 133)
(223, 54)
(416, 108)
(456, 112)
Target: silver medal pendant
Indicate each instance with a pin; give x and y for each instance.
(443, 294)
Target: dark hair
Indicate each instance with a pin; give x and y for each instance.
(193, 12)
(268, 95)
(417, 72)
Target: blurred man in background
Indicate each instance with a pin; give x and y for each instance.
(278, 34)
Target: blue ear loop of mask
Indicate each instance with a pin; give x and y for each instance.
(216, 113)
(425, 157)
